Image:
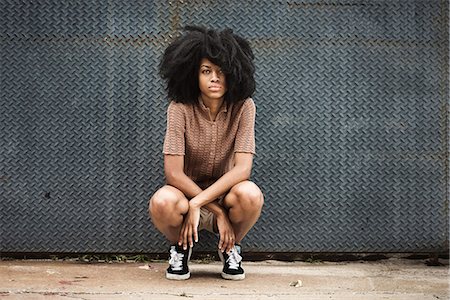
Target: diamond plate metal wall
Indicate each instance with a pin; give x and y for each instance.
(352, 132)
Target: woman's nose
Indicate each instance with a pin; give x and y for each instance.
(215, 76)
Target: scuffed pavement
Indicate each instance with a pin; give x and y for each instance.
(386, 279)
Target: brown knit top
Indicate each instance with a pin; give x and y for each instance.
(209, 146)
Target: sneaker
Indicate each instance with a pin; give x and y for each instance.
(232, 268)
(178, 263)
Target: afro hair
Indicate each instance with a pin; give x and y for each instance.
(181, 62)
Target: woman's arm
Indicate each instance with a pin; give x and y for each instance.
(240, 172)
(175, 176)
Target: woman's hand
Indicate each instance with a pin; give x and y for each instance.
(190, 227)
(226, 233)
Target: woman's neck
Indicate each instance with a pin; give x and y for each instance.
(214, 106)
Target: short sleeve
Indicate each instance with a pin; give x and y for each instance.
(245, 137)
(174, 141)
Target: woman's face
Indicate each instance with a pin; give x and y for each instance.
(211, 81)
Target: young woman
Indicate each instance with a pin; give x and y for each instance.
(208, 148)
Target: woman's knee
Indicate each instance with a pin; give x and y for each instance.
(248, 195)
(165, 200)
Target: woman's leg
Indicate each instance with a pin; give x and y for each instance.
(244, 203)
(167, 208)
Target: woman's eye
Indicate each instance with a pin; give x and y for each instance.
(206, 71)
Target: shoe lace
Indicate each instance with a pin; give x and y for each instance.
(234, 259)
(176, 259)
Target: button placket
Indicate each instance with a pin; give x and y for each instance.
(213, 146)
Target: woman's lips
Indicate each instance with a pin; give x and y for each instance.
(215, 88)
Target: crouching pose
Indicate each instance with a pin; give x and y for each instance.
(208, 148)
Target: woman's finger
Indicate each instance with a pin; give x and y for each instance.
(221, 242)
(190, 236)
(180, 237)
(225, 242)
(195, 234)
(185, 238)
(230, 242)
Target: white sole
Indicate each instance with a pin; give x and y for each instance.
(178, 277)
(233, 277)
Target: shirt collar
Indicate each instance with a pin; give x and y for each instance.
(206, 110)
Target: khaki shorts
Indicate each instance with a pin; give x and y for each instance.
(207, 218)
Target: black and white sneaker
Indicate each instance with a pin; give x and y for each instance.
(232, 268)
(178, 263)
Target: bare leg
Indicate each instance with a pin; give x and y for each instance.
(166, 208)
(244, 203)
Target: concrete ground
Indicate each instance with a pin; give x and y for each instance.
(385, 279)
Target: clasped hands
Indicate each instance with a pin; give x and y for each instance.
(189, 229)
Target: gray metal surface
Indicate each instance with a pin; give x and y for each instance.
(352, 133)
